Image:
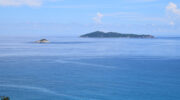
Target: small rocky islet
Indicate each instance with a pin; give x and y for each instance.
(100, 34)
(42, 41)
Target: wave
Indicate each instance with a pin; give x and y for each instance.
(87, 64)
(39, 89)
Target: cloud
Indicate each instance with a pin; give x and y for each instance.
(20, 2)
(173, 13)
(31, 3)
(98, 18)
(172, 23)
(173, 8)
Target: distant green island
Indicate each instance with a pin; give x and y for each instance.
(100, 34)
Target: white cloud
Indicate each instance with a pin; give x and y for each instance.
(173, 8)
(31, 3)
(98, 18)
(172, 23)
(173, 13)
(20, 2)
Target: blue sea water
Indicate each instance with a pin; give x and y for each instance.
(71, 68)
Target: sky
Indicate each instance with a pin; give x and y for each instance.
(76, 17)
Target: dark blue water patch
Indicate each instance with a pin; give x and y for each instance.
(37, 78)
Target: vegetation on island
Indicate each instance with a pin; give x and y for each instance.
(99, 34)
(4, 98)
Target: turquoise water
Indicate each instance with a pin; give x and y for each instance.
(90, 69)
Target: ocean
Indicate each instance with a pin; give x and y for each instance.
(72, 68)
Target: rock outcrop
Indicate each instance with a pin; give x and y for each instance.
(42, 41)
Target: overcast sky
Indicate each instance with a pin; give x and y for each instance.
(75, 17)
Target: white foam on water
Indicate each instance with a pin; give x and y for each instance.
(39, 89)
(86, 64)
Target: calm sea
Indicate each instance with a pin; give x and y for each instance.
(71, 68)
